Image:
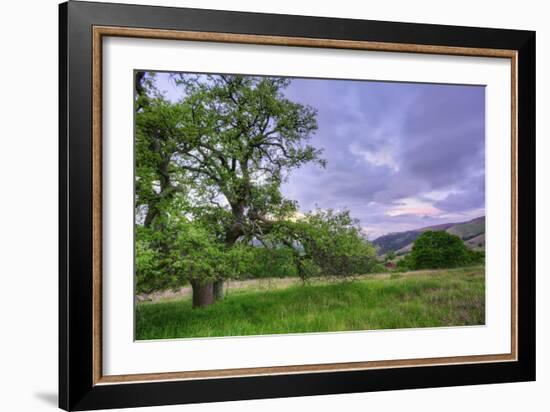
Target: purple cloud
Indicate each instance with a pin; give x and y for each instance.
(400, 155)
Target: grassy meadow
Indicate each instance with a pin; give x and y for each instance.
(435, 298)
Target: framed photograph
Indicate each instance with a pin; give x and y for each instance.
(256, 206)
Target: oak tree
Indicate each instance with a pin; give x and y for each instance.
(222, 150)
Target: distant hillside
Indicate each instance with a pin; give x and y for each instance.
(472, 232)
(477, 243)
(469, 230)
(395, 241)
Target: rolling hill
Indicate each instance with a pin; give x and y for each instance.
(471, 232)
(477, 242)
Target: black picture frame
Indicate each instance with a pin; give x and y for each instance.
(77, 390)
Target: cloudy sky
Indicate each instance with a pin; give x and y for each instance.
(399, 155)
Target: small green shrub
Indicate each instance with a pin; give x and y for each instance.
(405, 264)
(435, 250)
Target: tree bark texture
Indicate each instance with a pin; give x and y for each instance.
(203, 293)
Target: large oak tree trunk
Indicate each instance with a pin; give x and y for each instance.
(203, 293)
(218, 289)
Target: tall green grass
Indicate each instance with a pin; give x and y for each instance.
(442, 298)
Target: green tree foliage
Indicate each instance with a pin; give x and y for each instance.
(185, 251)
(243, 138)
(405, 264)
(273, 262)
(158, 182)
(327, 243)
(439, 249)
